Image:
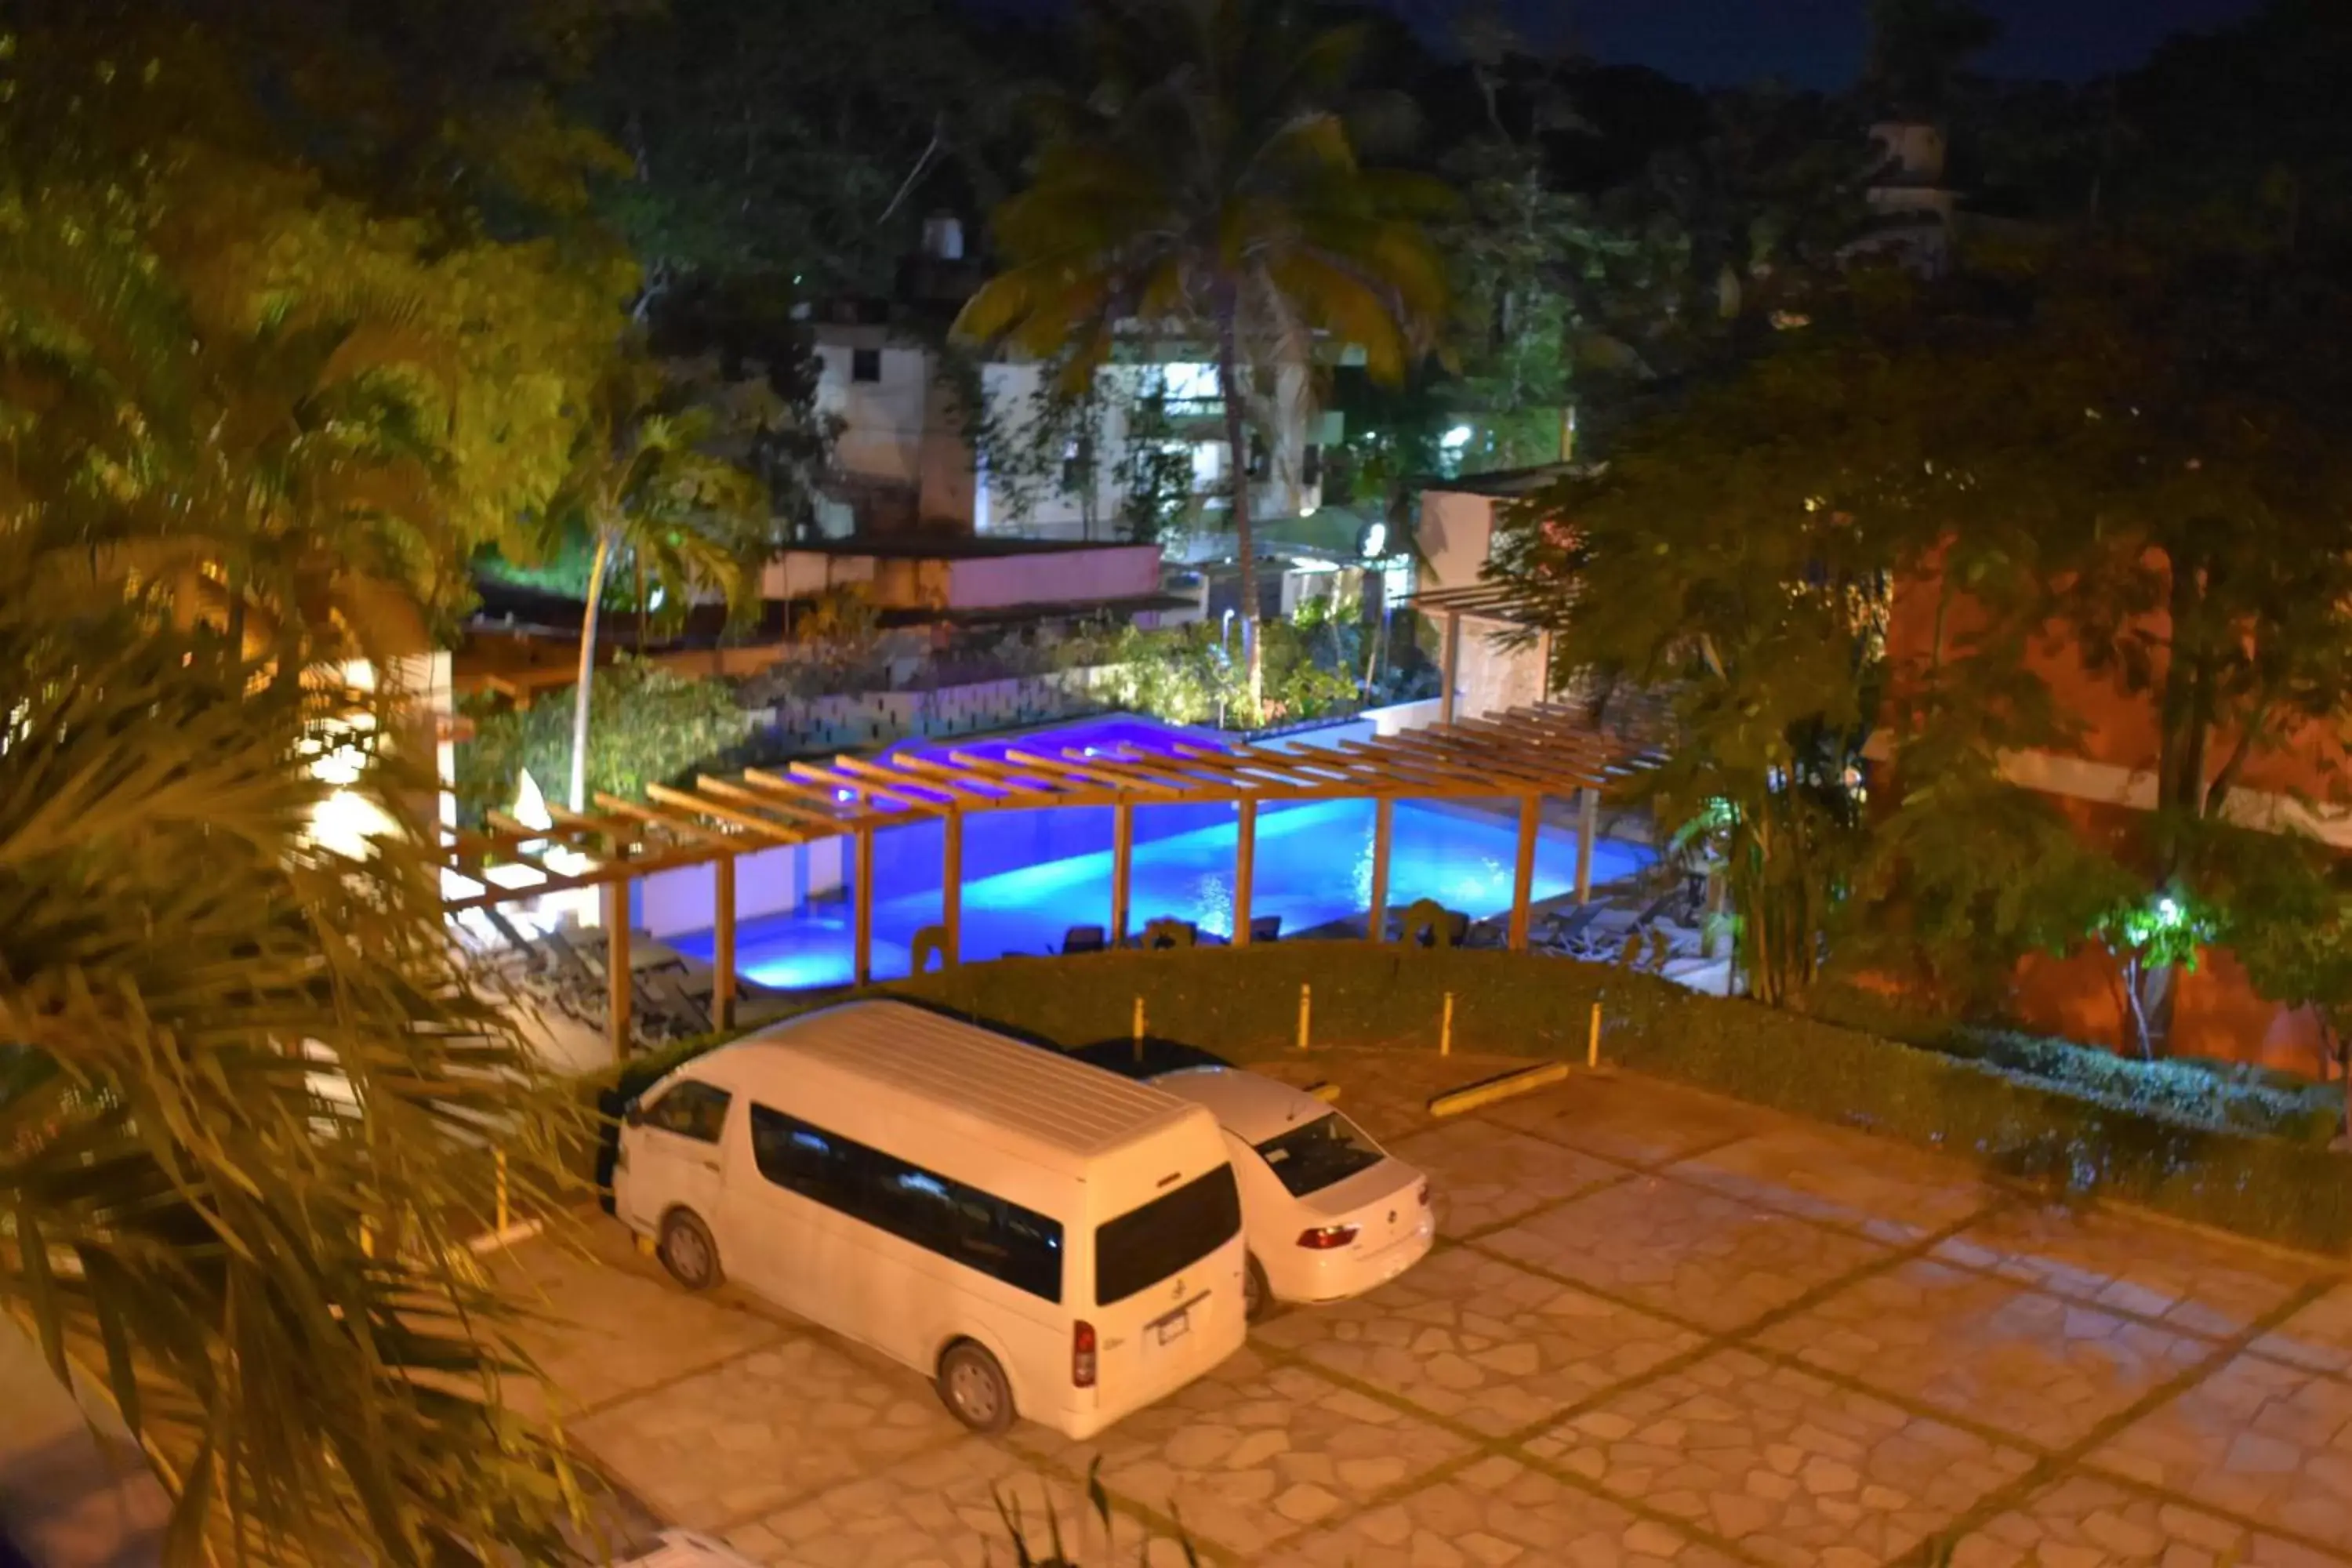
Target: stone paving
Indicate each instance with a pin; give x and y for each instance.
(1660, 1331)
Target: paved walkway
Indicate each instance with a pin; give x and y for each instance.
(1661, 1329)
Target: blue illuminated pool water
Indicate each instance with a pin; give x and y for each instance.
(1031, 875)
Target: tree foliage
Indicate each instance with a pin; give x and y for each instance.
(644, 485)
(2127, 453)
(1210, 188)
(798, 141)
(260, 387)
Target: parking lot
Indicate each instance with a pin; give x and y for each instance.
(1660, 1329)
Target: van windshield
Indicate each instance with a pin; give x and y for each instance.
(1324, 1152)
(1165, 1236)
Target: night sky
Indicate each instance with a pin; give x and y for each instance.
(1819, 43)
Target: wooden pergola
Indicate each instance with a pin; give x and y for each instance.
(1524, 755)
(1475, 601)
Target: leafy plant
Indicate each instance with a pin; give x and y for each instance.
(647, 725)
(246, 1115)
(1188, 674)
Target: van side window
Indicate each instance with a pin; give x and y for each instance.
(691, 1109)
(954, 1219)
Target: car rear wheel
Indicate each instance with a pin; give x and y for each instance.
(975, 1389)
(1257, 1296)
(688, 1252)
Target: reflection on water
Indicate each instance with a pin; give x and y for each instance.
(1314, 866)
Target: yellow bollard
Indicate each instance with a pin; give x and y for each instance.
(1519, 1081)
(1446, 1027)
(1592, 1045)
(1306, 1010)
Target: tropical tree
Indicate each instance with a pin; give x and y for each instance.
(2114, 467)
(1211, 187)
(255, 393)
(246, 1115)
(251, 1103)
(645, 483)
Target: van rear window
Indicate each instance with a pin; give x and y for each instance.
(1167, 1236)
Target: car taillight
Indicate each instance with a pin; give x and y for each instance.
(1323, 1239)
(1081, 1355)
(1425, 1194)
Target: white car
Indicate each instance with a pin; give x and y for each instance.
(1327, 1213)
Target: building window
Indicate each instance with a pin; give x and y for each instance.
(1077, 457)
(866, 364)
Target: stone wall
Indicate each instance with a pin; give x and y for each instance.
(856, 720)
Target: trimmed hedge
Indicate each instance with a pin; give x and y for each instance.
(2228, 1097)
(1243, 1003)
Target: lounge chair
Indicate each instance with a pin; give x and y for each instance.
(524, 951)
(1564, 932)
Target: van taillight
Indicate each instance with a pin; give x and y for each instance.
(1081, 1355)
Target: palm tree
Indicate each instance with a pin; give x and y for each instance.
(281, 483)
(1210, 186)
(646, 482)
(249, 1093)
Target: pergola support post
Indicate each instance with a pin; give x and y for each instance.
(952, 889)
(1384, 833)
(861, 904)
(1588, 829)
(1543, 671)
(1523, 875)
(619, 1002)
(1245, 869)
(1449, 667)
(723, 944)
(1122, 855)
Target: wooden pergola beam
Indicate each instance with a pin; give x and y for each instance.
(683, 828)
(791, 794)
(766, 828)
(866, 791)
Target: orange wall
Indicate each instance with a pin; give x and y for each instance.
(2120, 727)
(2216, 1012)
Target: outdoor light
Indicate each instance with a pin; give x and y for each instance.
(844, 794)
(1453, 440)
(2167, 912)
(1376, 541)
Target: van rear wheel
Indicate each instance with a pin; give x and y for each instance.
(975, 1389)
(688, 1252)
(1257, 1296)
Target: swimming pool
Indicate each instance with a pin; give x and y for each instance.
(1029, 876)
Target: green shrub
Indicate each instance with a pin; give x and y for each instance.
(646, 725)
(2230, 1096)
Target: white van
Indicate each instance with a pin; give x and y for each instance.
(1036, 1234)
